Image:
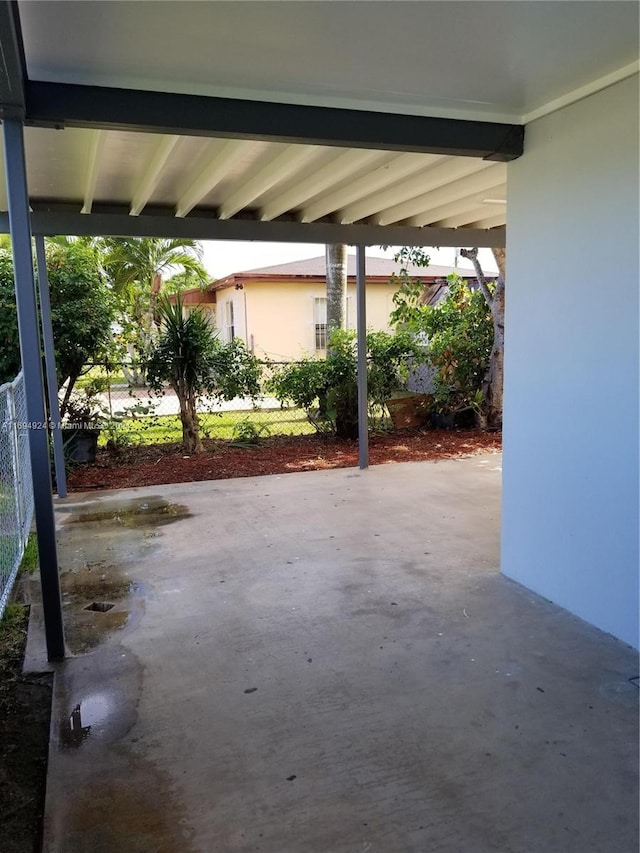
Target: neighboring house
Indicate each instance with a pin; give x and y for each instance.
(280, 312)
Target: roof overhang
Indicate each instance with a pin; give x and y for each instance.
(183, 157)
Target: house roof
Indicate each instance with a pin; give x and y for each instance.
(380, 269)
(375, 267)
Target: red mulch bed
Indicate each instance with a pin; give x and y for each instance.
(159, 464)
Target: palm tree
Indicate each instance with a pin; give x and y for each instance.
(336, 261)
(138, 267)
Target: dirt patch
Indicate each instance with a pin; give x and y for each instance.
(25, 709)
(166, 463)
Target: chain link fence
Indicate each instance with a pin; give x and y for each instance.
(16, 490)
(130, 413)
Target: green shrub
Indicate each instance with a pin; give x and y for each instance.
(459, 335)
(327, 389)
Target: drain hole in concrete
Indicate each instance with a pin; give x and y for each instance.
(100, 606)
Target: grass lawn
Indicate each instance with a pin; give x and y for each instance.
(114, 378)
(162, 429)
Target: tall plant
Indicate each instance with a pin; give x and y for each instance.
(190, 357)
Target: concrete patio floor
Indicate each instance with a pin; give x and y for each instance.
(327, 662)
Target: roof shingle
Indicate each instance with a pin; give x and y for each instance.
(383, 267)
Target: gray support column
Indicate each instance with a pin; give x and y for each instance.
(361, 326)
(16, 179)
(50, 366)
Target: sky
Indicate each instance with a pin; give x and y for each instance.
(222, 257)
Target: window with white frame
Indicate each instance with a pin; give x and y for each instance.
(230, 330)
(320, 321)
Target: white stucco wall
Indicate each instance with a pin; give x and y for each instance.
(570, 498)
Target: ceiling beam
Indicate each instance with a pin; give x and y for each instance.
(338, 169)
(488, 222)
(93, 168)
(475, 214)
(458, 207)
(73, 105)
(417, 185)
(151, 176)
(285, 163)
(13, 69)
(395, 170)
(454, 191)
(153, 224)
(207, 178)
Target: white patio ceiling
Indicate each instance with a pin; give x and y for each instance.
(266, 180)
(503, 62)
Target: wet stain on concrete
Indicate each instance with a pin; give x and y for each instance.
(148, 813)
(109, 798)
(103, 713)
(86, 628)
(150, 512)
(102, 582)
(98, 542)
(97, 698)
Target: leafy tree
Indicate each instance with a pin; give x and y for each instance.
(137, 267)
(81, 312)
(190, 357)
(10, 349)
(458, 331)
(465, 333)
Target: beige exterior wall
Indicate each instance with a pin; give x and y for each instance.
(280, 315)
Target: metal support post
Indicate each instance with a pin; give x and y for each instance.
(50, 367)
(16, 180)
(361, 326)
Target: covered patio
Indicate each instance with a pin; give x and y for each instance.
(318, 674)
(150, 129)
(404, 694)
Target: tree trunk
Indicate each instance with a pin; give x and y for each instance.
(336, 256)
(153, 301)
(500, 256)
(347, 424)
(131, 371)
(66, 398)
(191, 441)
(495, 374)
(347, 404)
(493, 380)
